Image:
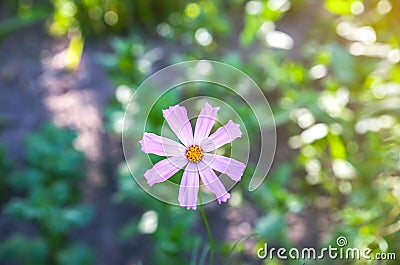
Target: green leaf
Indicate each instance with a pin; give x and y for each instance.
(271, 226)
(249, 32)
(18, 22)
(76, 254)
(336, 146)
(339, 7)
(24, 250)
(282, 174)
(343, 64)
(232, 250)
(26, 180)
(129, 230)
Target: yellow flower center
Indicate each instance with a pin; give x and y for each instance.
(194, 153)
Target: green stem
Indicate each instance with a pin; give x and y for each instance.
(210, 239)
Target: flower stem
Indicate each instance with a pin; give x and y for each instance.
(210, 239)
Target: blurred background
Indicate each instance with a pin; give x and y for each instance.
(330, 70)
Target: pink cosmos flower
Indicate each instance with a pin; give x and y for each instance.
(195, 155)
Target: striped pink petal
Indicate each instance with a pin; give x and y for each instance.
(213, 183)
(205, 122)
(178, 121)
(154, 144)
(165, 169)
(225, 134)
(231, 167)
(189, 187)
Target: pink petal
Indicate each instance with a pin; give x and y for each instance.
(165, 169)
(205, 122)
(231, 167)
(189, 188)
(178, 121)
(225, 134)
(214, 184)
(154, 144)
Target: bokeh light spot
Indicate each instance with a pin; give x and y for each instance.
(254, 7)
(318, 71)
(164, 30)
(393, 56)
(203, 37)
(384, 7)
(279, 5)
(111, 18)
(192, 10)
(357, 8)
(343, 169)
(148, 223)
(279, 40)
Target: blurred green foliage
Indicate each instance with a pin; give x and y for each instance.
(5, 168)
(343, 131)
(48, 195)
(102, 16)
(170, 228)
